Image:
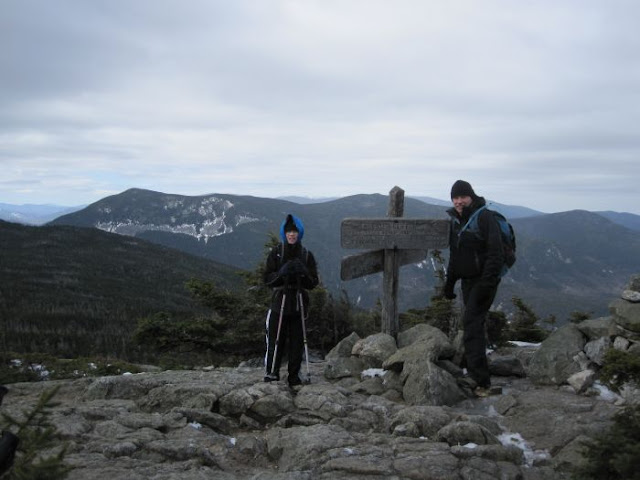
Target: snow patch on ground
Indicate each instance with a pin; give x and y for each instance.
(530, 455)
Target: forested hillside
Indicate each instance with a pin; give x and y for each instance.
(76, 290)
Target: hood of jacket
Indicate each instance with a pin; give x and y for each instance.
(297, 222)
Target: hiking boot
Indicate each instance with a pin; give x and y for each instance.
(293, 381)
(271, 377)
(482, 392)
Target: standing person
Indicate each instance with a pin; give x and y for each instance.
(290, 270)
(477, 258)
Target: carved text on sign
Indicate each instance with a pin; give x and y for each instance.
(390, 233)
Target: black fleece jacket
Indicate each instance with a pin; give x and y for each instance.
(475, 255)
(279, 256)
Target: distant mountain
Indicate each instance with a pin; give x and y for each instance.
(566, 262)
(234, 229)
(434, 201)
(575, 255)
(307, 200)
(81, 288)
(509, 211)
(628, 220)
(34, 214)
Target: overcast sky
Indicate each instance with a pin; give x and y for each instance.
(535, 103)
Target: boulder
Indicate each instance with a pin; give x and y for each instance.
(374, 349)
(343, 348)
(596, 349)
(325, 400)
(553, 362)
(634, 283)
(571, 457)
(626, 315)
(631, 296)
(342, 367)
(621, 343)
(409, 336)
(598, 327)
(506, 366)
(431, 345)
(582, 380)
(462, 433)
(427, 419)
(304, 448)
(423, 460)
(427, 384)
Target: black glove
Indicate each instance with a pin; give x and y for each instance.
(285, 269)
(447, 291)
(298, 269)
(293, 268)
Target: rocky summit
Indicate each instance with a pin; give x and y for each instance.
(375, 408)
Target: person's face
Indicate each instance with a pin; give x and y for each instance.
(460, 202)
(292, 237)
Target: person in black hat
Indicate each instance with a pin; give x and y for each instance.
(476, 257)
(290, 271)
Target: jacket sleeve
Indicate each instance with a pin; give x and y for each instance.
(453, 238)
(494, 259)
(270, 276)
(311, 280)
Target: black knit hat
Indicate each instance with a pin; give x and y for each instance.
(290, 224)
(462, 189)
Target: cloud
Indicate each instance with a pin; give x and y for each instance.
(535, 103)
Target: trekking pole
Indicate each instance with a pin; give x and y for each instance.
(304, 335)
(275, 349)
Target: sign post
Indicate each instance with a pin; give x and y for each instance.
(396, 241)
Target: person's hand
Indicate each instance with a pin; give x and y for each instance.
(285, 269)
(447, 291)
(297, 268)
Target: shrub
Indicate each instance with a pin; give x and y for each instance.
(619, 368)
(33, 367)
(615, 454)
(524, 326)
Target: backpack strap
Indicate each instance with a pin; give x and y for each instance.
(472, 218)
(305, 255)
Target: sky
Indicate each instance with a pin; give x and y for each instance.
(535, 103)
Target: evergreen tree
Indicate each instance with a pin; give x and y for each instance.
(37, 437)
(524, 325)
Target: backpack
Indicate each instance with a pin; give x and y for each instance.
(507, 235)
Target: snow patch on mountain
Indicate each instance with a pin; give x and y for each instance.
(209, 228)
(213, 209)
(242, 219)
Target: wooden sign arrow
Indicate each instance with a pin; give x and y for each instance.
(367, 263)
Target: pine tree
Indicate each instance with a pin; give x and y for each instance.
(38, 438)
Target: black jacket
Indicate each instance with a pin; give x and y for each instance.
(475, 255)
(291, 285)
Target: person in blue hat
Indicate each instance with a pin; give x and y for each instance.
(290, 271)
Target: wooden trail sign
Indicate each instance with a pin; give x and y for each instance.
(398, 241)
(390, 233)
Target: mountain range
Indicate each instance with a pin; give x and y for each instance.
(33, 214)
(569, 261)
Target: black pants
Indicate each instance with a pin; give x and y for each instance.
(291, 336)
(477, 301)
